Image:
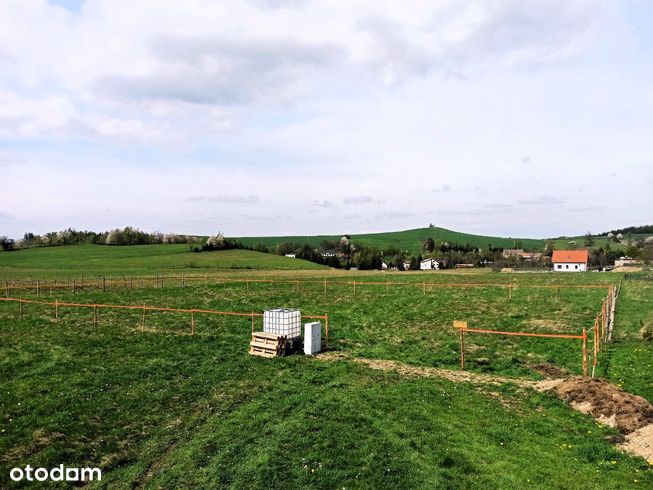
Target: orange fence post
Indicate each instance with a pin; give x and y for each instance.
(326, 327)
(192, 322)
(584, 352)
(252, 322)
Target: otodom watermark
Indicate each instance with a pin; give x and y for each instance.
(58, 473)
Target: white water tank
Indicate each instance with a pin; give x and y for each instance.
(283, 321)
(312, 338)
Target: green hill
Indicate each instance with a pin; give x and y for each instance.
(137, 259)
(408, 240)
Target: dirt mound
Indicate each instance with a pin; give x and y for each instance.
(605, 401)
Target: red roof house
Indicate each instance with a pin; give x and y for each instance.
(570, 260)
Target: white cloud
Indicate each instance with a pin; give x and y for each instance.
(305, 105)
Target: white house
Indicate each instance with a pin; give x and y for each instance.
(384, 266)
(291, 256)
(406, 266)
(570, 260)
(429, 264)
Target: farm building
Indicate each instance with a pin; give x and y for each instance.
(531, 256)
(429, 264)
(624, 261)
(570, 260)
(510, 252)
(407, 266)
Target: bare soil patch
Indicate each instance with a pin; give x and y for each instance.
(640, 442)
(425, 372)
(548, 370)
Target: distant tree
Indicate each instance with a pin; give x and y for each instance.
(7, 244)
(215, 242)
(429, 245)
(589, 239)
(548, 248)
(573, 245)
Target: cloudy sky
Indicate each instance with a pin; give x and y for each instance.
(263, 117)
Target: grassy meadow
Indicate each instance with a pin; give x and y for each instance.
(48, 262)
(161, 408)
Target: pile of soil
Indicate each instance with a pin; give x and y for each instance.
(605, 401)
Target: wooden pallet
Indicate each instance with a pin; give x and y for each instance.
(267, 344)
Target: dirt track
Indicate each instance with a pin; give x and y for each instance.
(606, 402)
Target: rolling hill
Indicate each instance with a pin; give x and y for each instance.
(407, 240)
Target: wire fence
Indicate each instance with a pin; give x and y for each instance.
(74, 284)
(602, 329)
(57, 305)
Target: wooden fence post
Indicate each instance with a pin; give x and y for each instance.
(509, 291)
(20, 308)
(56, 311)
(325, 286)
(584, 351)
(38, 288)
(192, 322)
(354, 283)
(73, 285)
(7, 288)
(424, 288)
(143, 320)
(252, 316)
(95, 316)
(558, 293)
(326, 327)
(462, 349)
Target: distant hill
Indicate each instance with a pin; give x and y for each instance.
(410, 240)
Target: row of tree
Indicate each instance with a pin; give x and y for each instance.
(70, 236)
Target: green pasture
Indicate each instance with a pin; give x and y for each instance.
(156, 407)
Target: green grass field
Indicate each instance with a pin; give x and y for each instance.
(164, 409)
(135, 260)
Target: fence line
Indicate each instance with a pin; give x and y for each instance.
(462, 328)
(602, 329)
(58, 304)
(182, 280)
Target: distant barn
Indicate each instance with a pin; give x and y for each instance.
(429, 264)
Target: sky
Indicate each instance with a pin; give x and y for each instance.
(299, 117)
